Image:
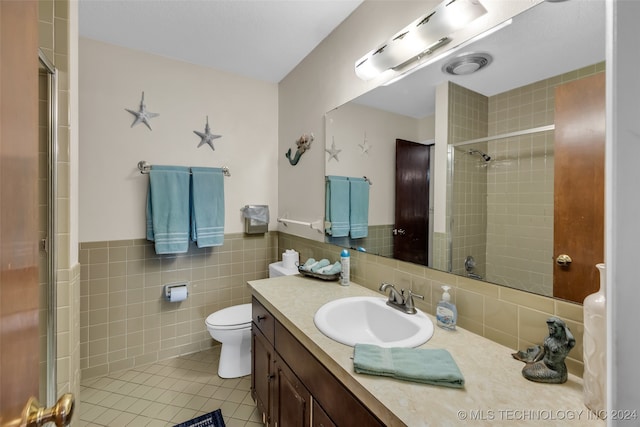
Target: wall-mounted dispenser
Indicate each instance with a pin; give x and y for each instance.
(176, 292)
(256, 219)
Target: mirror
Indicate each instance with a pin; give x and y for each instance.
(548, 43)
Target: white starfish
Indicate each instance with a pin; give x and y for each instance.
(364, 146)
(207, 136)
(333, 152)
(142, 116)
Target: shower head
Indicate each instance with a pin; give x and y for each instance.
(484, 156)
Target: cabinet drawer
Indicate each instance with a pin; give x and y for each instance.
(262, 319)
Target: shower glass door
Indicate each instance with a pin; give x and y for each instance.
(47, 150)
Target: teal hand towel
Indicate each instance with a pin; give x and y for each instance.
(168, 209)
(429, 366)
(320, 265)
(334, 268)
(307, 265)
(207, 210)
(337, 205)
(358, 208)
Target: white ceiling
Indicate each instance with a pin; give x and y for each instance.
(261, 39)
(266, 39)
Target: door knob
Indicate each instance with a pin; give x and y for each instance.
(563, 260)
(35, 415)
(399, 232)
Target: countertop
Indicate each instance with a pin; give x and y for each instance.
(495, 391)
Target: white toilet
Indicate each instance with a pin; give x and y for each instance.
(231, 327)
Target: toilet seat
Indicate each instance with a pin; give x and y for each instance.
(235, 317)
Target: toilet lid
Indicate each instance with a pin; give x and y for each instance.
(236, 315)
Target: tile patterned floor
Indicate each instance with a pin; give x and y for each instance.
(167, 393)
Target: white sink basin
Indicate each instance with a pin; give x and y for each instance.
(369, 320)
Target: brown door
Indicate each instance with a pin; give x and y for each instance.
(410, 240)
(579, 186)
(19, 346)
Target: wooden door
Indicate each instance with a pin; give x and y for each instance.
(19, 345)
(578, 229)
(410, 240)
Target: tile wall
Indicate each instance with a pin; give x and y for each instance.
(468, 120)
(125, 321)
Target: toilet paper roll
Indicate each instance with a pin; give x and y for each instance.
(178, 293)
(290, 259)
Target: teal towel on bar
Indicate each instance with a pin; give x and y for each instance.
(207, 206)
(337, 205)
(429, 366)
(358, 208)
(168, 209)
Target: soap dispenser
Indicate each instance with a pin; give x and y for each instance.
(446, 311)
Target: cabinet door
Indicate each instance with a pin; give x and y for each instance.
(320, 418)
(291, 400)
(262, 361)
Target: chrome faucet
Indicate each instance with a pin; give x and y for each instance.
(402, 300)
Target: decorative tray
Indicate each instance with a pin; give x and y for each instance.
(328, 277)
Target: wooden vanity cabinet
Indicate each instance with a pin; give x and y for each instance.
(291, 387)
(279, 395)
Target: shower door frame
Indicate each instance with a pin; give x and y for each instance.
(49, 243)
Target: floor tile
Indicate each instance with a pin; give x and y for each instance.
(166, 393)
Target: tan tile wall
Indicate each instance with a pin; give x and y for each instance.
(468, 120)
(510, 317)
(125, 320)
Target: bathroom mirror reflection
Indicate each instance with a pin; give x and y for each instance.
(488, 212)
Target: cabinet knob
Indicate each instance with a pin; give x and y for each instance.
(270, 377)
(261, 317)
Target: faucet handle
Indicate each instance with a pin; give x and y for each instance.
(408, 299)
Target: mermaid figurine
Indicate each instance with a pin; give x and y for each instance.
(546, 364)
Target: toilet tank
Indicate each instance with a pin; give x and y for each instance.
(277, 269)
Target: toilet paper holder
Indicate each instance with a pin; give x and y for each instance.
(171, 286)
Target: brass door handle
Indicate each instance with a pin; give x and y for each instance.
(563, 260)
(35, 415)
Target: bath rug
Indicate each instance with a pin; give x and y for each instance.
(212, 419)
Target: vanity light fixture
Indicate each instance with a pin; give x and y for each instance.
(420, 38)
(420, 63)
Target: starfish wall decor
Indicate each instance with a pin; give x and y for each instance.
(142, 115)
(333, 151)
(364, 146)
(207, 136)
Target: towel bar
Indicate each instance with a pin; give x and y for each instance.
(145, 167)
(316, 225)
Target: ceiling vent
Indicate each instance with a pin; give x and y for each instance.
(467, 64)
(419, 38)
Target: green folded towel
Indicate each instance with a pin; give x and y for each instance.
(429, 366)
